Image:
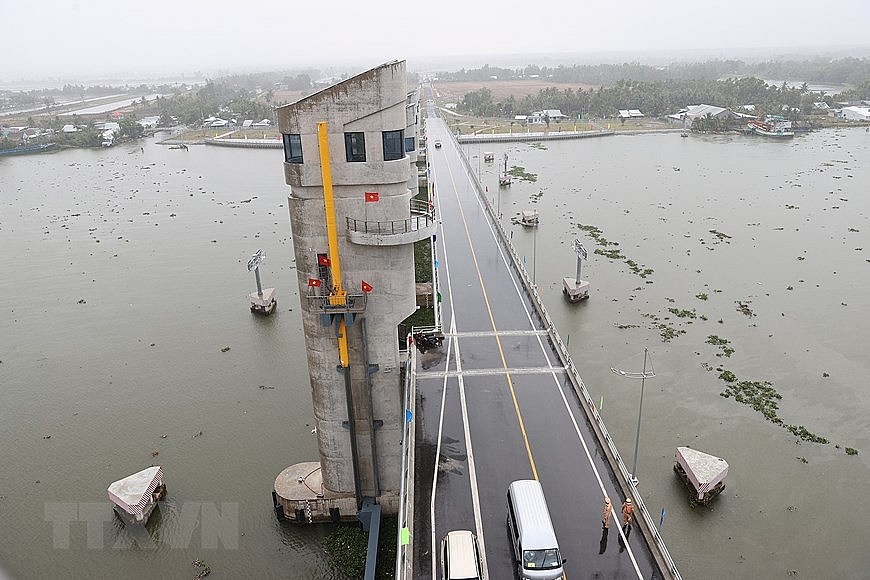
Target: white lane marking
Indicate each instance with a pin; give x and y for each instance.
(434, 547)
(492, 372)
(511, 273)
(472, 470)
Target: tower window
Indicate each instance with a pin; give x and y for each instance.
(394, 145)
(355, 146)
(293, 148)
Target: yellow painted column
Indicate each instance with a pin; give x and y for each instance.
(338, 296)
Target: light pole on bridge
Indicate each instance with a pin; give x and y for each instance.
(643, 376)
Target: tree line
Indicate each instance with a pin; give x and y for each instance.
(848, 71)
(655, 98)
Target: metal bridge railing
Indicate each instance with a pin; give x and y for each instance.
(660, 551)
(325, 304)
(404, 541)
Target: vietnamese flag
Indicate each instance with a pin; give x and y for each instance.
(372, 196)
(366, 287)
(323, 260)
(314, 282)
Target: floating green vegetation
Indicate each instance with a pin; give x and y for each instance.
(801, 431)
(760, 395)
(802, 459)
(722, 343)
(520, 173)
(668, 332)
(596, 234)
(790, 206)
(763, 398)
(701, 296)
(536, 196)
(855, 230)
(347, 546)
(744, 308)
(851, 451)
(633, 266)
(683, 313)
(612, 254)
(625, 326)
(721, 236)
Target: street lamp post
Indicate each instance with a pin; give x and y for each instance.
(643, 376)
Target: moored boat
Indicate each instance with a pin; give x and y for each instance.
(772, 126)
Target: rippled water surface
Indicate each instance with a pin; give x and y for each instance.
(124, 279)
(781, 227)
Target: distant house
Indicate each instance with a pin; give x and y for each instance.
(692, 112)
(630, 113)
(555, 115)
(856, 113)
(541, 117)
(69, 129)
(263, 123)
(821, 106)
(247, 123)
(149, 122)
(521, 118)
(108, 126)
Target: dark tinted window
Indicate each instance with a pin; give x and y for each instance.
(409, 144)
(293, 148)
(394, 145)
(355, 146)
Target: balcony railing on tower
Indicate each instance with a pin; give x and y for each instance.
(420, 225)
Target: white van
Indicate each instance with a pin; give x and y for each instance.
(535, 549)
(460, 556)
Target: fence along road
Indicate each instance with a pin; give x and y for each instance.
(495, 404)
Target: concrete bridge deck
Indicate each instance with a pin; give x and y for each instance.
(496, 403)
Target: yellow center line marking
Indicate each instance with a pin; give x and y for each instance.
(495, 330)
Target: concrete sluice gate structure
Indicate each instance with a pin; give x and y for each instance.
(349, 155)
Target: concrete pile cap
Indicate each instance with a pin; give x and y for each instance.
(702, 467)
(131, 489)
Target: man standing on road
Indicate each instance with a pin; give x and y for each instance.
(627, 517)
(605, 516)
(605, 524)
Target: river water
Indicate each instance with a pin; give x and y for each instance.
(124, 280)
(781, 227)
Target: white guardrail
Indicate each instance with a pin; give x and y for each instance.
(404, 540)
(647, 524)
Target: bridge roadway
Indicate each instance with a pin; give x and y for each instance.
(495, 405)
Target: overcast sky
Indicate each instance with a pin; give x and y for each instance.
(65, 38)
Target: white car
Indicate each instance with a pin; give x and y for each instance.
(460, 556)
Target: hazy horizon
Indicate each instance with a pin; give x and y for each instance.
(98, 39)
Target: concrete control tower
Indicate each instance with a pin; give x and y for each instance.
(348, 155)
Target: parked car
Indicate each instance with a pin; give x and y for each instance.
(437, 144)
(460, 556)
